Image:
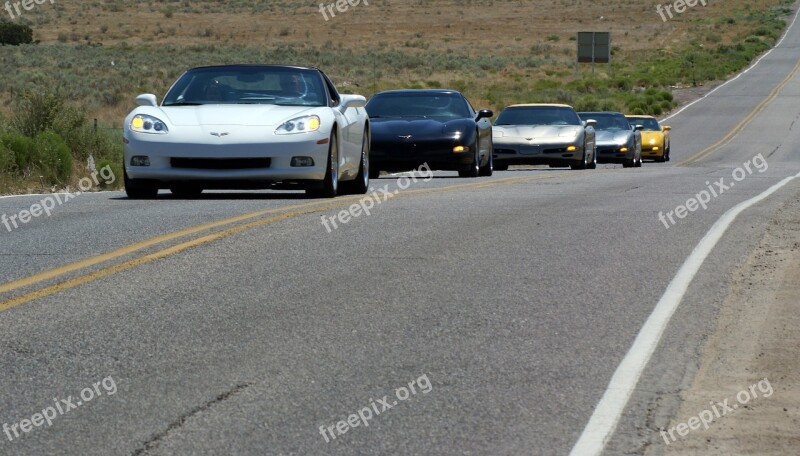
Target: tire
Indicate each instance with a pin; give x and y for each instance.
(475, 168)
(138, 190)
(374, 173)
(500, 167)
(593, 164)
(488, 170)
(360, 185)
(638, 163)
(667, 154)
(330, 186)
(583, 164)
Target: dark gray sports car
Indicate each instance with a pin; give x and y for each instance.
(437, 127)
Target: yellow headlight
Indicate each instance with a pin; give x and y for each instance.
(460, 149)
(137, 122)
(571, 149)
(313, 124)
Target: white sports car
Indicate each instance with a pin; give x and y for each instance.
(248, 127)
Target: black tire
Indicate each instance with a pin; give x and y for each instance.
(475, 168)
(330, 185)
(667, 154)
(500, 167)
(638, 163)
(374, 173)
(138, 190)
(593, 163)
(360, 185)
(583, 164)
(488, 170)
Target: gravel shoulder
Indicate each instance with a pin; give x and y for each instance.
(754, 344)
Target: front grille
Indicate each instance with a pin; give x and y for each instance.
(220, 163)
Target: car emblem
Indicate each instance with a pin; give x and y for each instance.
(405, 137)
(529, 139)
(220, 134)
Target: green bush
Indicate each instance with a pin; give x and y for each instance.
(52, 157)
(15, 34)
(37, 112)
(21, 147)
(7, 163)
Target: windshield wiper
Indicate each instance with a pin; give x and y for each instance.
(183, 103)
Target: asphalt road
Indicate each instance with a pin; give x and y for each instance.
(235, 323)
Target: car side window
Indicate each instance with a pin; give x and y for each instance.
(333, 95)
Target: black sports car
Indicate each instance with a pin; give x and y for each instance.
(437, 127)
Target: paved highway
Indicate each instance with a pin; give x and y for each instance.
(465, 316)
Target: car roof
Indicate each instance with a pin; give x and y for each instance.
(248, 65)
(635, 116)
(533, 105)
(420, 91)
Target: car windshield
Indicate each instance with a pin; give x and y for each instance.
(649, 123)
(248, 85)
(424, 105)
(538, 115)
(607, 121)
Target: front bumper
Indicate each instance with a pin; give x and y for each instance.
(401, 156)
(612, 153)
(524, 153)
(251, 161)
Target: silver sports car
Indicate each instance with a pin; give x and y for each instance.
(543, 134)
(617, 140)
(248, 127)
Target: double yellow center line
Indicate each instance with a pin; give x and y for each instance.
(199, 236)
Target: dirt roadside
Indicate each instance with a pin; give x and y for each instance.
(757, 339)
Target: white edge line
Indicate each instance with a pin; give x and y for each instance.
(58, 193)
(738, 75)
(605, 418)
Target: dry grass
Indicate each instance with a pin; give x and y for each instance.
(498, 29)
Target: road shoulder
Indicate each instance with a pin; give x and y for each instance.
(754, 344)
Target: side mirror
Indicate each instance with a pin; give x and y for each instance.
(590, 123)
(638, 127)
(484, 114)
(147, 99)
(666, 128)
(353, 101)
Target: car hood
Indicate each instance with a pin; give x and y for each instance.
(656, 136)
(242, 115)
(536, 132)
(613, 136)
(389, 128)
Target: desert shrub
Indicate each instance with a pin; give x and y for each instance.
(37, 112)
(52, 157)
(15, 34)
(7, 163)
(21, 148)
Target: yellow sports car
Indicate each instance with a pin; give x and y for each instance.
(655, 138)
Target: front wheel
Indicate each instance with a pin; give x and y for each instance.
(474, 169)
(360, 185)
(330, 186)
(593, 163)
(584, 164)
(136, 189)
(488, 170)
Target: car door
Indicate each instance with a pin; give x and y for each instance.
(351, 132)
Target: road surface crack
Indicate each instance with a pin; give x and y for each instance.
(156, 440)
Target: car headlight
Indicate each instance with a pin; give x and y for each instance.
(305, 124)
(652, 142)
(142, 123)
